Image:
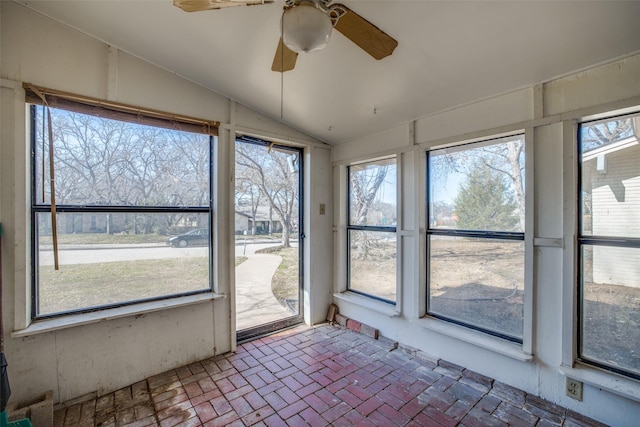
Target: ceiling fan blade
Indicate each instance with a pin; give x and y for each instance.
(370, 38)
(285, 59)
(198, 5)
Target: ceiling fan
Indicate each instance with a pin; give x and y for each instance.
(306, 26)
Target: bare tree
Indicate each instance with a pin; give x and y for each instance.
(190, 176)
(597, 134)
(248, 194)
(277, 183)
(365, 183)
(91, 152)
(107, 162)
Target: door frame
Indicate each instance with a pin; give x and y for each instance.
(258, 331)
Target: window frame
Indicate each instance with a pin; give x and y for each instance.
(384, 229)
(582, 240)
(158, 120)
(524, 236)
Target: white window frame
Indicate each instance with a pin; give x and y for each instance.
(341, 250)
(570, 366)
(519, 351)
(382, 229)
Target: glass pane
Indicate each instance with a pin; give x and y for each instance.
(372, 263)
(267, 234)
(372, 193)
(611, 178)
(114, 258)
(611, 306)
(478, 186)
(101, 161)
(479, 282)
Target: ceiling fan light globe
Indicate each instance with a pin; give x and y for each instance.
(306, 28)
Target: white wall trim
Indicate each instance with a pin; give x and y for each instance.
(529, 252)
(617, 384)
(340, 252)
(368, 303)
(495, 132)
(378, 155)
(477, 338)
(628, 103)
(73, 320)
(282, 139)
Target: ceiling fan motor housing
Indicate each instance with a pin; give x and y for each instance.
(306, 27)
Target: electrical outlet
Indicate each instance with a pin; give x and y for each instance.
(322, 208)
(574, 389)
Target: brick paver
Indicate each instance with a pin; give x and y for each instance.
(317, 376)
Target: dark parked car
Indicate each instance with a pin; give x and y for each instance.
(199, 236)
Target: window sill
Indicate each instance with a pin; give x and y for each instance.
(73, 320)
(605, 380)
(369, 303)
(479, 339)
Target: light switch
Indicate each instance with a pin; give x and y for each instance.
(322, 208)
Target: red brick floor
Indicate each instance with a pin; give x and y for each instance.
(319, 376)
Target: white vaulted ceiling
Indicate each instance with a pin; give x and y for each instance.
(449, 53)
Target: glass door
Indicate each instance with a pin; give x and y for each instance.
(268, 245)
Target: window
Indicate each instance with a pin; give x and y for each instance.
(371, 229)
(132, 210)
(475, 235)
(609, 244)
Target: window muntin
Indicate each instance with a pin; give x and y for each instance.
(609, 244)
(371, 229)
(122, 191)
(475, 238)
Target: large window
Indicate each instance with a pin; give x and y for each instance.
(372, 229)
(475, 235)
(609, 244)
(132, 211)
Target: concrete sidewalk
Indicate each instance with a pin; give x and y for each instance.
(255, 303)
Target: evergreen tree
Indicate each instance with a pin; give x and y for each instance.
(484, 202)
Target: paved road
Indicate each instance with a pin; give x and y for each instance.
(106, 253)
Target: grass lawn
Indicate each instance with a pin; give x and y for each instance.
(285, 283)
(103, 239)
(92, 285)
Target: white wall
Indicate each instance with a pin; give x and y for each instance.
(546, 112)
(318, 243)
(105, 354)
